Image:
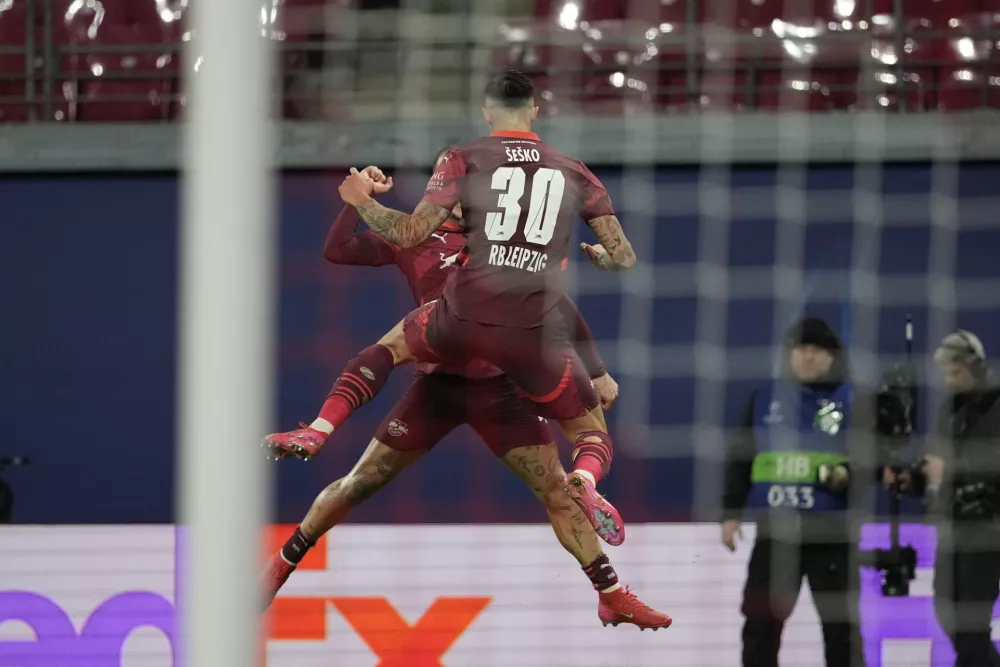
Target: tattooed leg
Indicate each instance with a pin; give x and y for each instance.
(541, 470)
(376, 467)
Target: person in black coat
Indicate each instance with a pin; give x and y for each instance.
(960, 482)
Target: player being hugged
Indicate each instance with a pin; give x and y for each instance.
(500, 305)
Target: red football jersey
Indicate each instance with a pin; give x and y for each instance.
(425, 267)
(520, 198)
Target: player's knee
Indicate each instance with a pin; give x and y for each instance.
(592, 422)
(398, 349)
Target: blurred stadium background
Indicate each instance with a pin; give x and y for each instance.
(768, 158)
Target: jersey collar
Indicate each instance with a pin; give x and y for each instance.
(515, 134)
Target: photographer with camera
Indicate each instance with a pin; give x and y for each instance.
(960, 481)
(789, 467)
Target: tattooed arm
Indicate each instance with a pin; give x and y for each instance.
(396, 227)
(400, 228)
(614, 253)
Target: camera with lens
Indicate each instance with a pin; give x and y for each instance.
(896, 405)
(976, 501)
(895, 420)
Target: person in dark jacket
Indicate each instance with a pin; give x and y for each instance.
(791, 466)
(960, 480)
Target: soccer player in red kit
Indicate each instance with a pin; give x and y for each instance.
(442, 398)
(519, 198)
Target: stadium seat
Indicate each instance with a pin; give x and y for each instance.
(940, 13)
(552, 10)
(304, 19)
(12, 32)
(119, 101)
(121, 83)
(13, 111)
(673, 12)
(619, 93)
(13, 84)
(162, 19)
(746, 15)
(723, 91)
(807, 90)
(974, 37)
(672, 93)
(558, 94)
(884, 89)
(959, 89)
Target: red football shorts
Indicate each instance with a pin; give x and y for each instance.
(541, 361)
(436, 403)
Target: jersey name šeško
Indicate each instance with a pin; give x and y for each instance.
(520, 198)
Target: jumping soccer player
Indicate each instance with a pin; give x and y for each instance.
(440, 400)
(519, 198)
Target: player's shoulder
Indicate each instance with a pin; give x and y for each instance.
(564, 161)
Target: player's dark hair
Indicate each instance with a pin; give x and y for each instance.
(511, 89)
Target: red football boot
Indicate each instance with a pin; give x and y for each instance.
(622, 606)
(603, 516)
(274, 576)
(303, 443)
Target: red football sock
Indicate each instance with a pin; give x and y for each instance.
(593, 452)
(362, 379)
(295, 547)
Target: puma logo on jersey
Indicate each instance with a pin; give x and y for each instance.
(441, 236)
(448, 261)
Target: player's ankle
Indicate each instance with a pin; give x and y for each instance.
(592, 453)
(586, 474)
(322, 425)
(602, 574)
(295, 548)
(610, 589)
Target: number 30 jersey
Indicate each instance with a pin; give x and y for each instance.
(520, 198)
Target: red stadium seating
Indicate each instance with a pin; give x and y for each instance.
(614, 56)
(129, 80)
(723, 91)
(13, 36)
(619, 93)
(959, 89)
(802, 91)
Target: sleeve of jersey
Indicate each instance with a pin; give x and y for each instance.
(595, 201)
(345, 246)
(445, 185)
